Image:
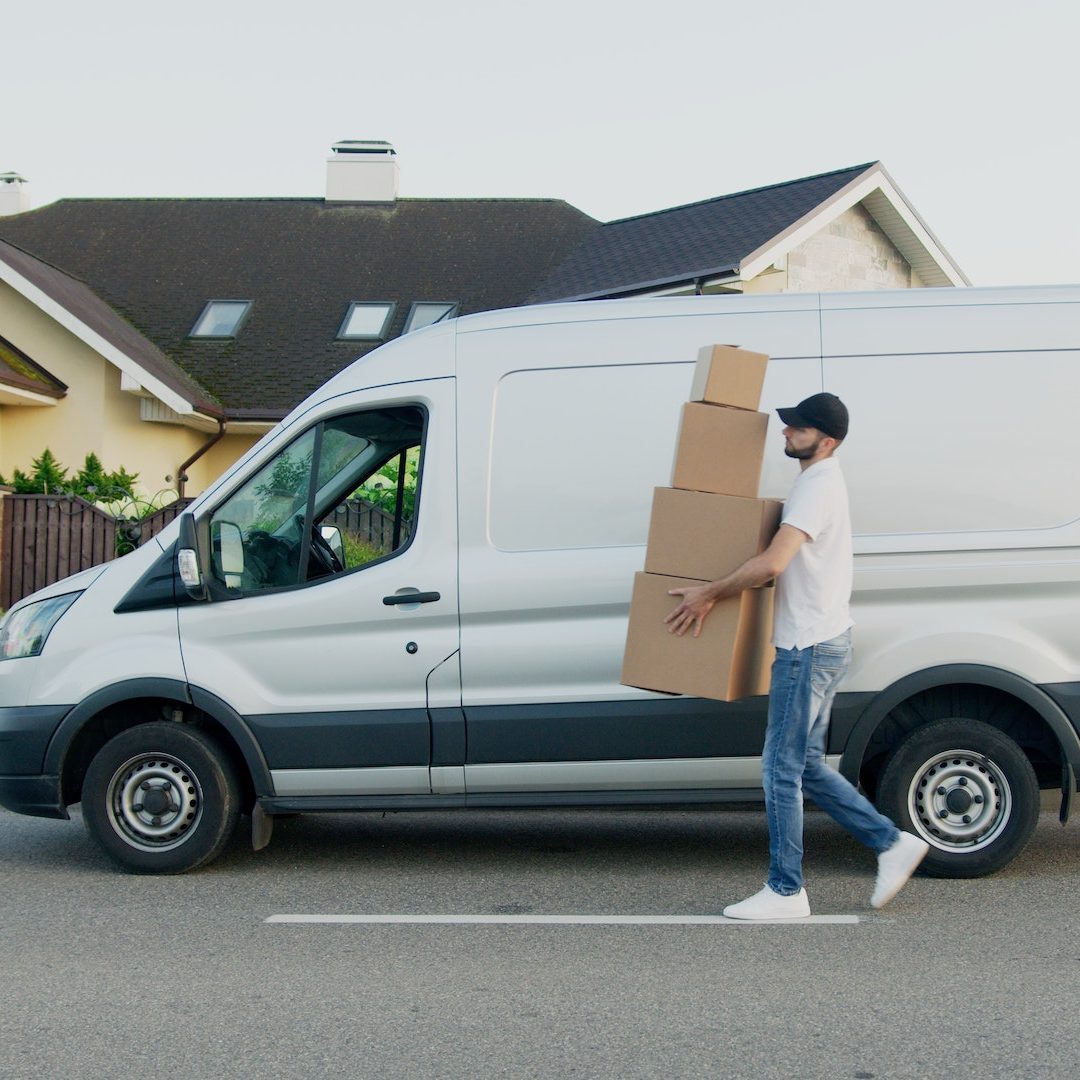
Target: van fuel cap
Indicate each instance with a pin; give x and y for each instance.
(412, 647)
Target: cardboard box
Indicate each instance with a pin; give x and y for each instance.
(728, 375)
(696, 534)
(731, 659)
(720, 449)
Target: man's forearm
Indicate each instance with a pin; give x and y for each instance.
(752, 574)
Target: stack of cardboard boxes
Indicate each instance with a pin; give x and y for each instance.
(705, 525)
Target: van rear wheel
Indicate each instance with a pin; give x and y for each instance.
(968, 790)
(161, 798)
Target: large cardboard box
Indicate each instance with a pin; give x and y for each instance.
(731, 659)
(696, 534)
(728, 375)
(720, 449)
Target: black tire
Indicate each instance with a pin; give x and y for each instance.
(192, 791)
(956, 769)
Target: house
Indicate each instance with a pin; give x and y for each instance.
(167, 335)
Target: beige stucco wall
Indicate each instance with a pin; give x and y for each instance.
(96, 415)
(851, 252)
(217, 459)
(768, 282)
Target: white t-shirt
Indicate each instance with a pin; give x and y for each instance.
(813, 594)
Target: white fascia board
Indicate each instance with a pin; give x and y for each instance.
(200, 421)
(860, 188)
(251, 427)
(15, 395)
(119, 359)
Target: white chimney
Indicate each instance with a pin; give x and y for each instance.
(361, 170)
(14, 194)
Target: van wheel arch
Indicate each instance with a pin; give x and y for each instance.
(102, 716)
(1001, 699)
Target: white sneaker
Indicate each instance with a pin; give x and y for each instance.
(770, 905)
(896, 865)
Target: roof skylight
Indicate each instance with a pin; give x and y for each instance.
(427, 312)
(366, 321)
(221, 319)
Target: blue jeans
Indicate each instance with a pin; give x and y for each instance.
(801, 693)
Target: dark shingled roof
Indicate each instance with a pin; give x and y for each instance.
(702, 239)
(301, 261)
(75, 297)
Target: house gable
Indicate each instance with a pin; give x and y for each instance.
(879, 196)
(728, 242)
(852, 252)
(75, 307)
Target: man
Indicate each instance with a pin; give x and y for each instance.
(811, 560)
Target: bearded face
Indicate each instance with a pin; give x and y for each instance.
(802, 443)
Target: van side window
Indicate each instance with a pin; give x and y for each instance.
(339, 496)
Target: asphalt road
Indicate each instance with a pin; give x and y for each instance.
(110, 975)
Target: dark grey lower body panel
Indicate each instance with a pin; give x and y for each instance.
(326, 740)
(329, 804)
(25, 732)
(37, 796)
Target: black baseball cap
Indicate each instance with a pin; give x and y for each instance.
(826, 412)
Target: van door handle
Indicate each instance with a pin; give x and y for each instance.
(411, 598)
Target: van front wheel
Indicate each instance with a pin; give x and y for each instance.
(968, 790)
(161, 798)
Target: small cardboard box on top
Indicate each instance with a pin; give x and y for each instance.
(720, 449)
(699, 535)
(731, 659)
(728, 375)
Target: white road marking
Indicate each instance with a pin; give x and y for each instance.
(564, 920)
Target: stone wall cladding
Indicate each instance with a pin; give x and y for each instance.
(850, 253)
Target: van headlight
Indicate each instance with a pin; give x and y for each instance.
(24, 631)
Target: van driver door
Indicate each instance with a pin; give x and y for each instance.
(332, 575)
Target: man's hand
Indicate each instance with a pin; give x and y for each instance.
(697, 603)
(699, 600)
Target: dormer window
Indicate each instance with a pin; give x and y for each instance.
(427, 312)
(221, 319)
(366, 320)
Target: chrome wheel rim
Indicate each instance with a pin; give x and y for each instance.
(154, 802)
(959, 800)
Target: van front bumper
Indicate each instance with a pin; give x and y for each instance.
(38, 796)
(25, 732)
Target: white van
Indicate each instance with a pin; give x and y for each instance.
(255, 658)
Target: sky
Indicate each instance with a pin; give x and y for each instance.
(619, 108)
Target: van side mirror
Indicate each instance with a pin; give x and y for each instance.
(227, 543)
(188, 563)
(332, 535)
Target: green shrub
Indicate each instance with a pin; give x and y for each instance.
(48, 477)
(357, 552)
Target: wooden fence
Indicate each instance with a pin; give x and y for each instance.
(44, 538)
(368, 523)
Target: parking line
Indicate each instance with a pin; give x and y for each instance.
(561, 920)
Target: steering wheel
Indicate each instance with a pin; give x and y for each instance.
(323, 559)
